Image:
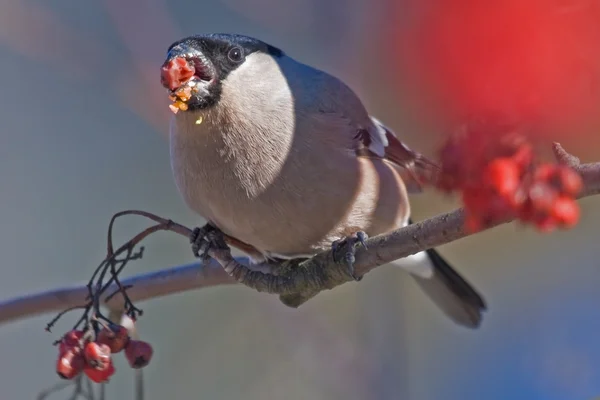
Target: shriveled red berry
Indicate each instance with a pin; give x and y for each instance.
(503, 175)
(69, 364)
(566, 211)
(97, 375)
(116, 337)
(570, 181)
(138, 353)
(97, 355)
(70, 340)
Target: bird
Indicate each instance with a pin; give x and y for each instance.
(285, 158)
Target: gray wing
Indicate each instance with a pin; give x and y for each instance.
(320, 95)
(332, 98)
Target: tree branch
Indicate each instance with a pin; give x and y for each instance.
(302, 278)
(144, 286)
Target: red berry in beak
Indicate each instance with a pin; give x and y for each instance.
(175, 72)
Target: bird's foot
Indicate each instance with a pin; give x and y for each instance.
(206, 238)
(345, 249)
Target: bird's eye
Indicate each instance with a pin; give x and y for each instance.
(235, 55)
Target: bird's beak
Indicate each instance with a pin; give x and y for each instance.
(184, 64)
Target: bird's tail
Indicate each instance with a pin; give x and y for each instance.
(445, 287)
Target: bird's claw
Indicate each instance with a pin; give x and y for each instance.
(204, 239)
(345, 249)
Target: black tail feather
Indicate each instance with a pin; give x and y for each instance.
(451, 292)
(459, 285)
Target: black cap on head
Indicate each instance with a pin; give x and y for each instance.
(216, 44)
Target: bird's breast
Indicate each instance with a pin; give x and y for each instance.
(224, 170)
(283, 196)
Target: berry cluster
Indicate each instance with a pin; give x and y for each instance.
(89, 345)
(78, 352)
(499, 178)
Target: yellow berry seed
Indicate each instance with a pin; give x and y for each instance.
(181, 105)
(184, 93)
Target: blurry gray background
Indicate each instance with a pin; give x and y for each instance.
(83, 123)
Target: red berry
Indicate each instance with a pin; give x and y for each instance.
(544, 172)
(472, 223)
(138, 353)
(503, 175)
(70, 340)
(116, 337)
(570, 181)
(501, 206)
(545, 224)
(542, 197)
(97, 355)
(523, 157)
(566, 211)
(69, 364)
(97, 375)
(517, 200)
(475, 199)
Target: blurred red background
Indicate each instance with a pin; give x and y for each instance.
(536, 61)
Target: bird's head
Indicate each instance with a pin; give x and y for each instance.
(197, 66)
